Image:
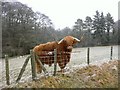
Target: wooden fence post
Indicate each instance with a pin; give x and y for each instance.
(7, 70)
(88, 53)
(55, 61)
(23, 68)
(43, 68)
(111, 52)
(33, 64)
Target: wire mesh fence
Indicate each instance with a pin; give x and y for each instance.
(48, 57)
(77, 57)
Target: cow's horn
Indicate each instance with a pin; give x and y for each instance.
(77, 39)
(60, 41)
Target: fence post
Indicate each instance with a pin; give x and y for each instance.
(55, 61)
(88, 53)
(43, 68)
(23, 68)
(33, 64)
(7, 70)
(111, 54)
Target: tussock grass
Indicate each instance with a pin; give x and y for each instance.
(93, 76)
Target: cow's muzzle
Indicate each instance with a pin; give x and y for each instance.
(69, 47)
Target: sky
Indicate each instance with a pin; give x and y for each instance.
(64, 13)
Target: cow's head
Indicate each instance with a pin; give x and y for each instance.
(69, 41)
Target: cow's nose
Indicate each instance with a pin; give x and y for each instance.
(69, 47)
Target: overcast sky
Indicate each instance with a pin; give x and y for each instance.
(64, 13)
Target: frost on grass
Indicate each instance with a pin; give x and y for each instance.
(92, 76)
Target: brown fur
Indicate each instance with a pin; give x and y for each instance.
(63, 46)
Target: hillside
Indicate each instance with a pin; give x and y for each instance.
(92, 76)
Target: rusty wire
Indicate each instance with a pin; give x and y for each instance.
(47, 57)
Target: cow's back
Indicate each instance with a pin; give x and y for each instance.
(50, 46)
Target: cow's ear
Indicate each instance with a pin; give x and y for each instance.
(61, 41)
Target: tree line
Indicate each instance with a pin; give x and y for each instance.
(22, 29)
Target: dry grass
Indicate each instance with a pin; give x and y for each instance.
(104, 76)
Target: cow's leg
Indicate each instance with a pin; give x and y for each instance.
(62, 66)
(62, 71)
(38, 68)
(64, 62)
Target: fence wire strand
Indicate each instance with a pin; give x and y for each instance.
(96, 54)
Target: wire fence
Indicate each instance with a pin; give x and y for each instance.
(49, 57)
(54, 59)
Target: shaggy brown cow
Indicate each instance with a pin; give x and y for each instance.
(64, 48)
